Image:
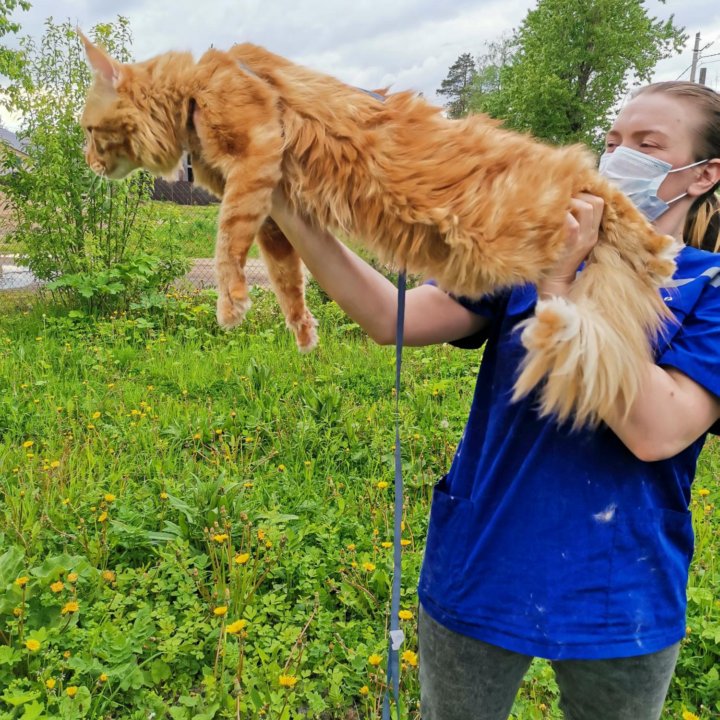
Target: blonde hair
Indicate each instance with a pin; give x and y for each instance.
(702, 226)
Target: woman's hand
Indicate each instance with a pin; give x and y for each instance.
(582, 223)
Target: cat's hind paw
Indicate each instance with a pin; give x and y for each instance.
(305, 331)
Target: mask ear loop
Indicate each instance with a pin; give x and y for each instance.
(686, 167)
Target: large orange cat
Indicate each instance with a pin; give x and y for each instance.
(465, 202)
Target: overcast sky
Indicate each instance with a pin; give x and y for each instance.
(405, 44)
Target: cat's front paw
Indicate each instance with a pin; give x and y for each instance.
(231, 311)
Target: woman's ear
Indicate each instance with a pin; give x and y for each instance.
(107, 69)
(707, 180)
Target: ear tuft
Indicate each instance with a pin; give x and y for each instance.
(105, 67)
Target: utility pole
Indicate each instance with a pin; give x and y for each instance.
(696, 55)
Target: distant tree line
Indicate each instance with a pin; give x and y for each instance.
(562, 73)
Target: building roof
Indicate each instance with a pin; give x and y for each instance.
(11, 139)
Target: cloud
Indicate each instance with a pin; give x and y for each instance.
(406, 44)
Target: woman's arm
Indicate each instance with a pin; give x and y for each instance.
(370, 299)
(671, 410)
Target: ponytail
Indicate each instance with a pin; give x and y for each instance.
(702, 227)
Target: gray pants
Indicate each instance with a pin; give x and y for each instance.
(466, 679)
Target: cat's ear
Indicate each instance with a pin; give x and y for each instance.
(104, 66)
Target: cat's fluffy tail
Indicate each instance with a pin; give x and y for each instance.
(587, 352)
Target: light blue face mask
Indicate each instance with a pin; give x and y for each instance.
(639, 176)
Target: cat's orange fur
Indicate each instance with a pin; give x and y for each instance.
(465, 202)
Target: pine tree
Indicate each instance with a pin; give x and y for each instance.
(456, 86)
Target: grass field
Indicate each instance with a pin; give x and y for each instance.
(196, 525)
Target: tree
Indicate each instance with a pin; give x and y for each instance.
(574, 60)
(457, 84)
(10, 60)
(86, 235)
(490, 65)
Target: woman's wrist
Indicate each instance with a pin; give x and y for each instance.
(554, 287)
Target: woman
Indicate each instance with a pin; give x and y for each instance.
(572, 546)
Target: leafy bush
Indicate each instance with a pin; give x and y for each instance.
(87, 235)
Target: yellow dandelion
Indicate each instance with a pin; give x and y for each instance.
(703, 492)
(66, 501)
(50, 683)
(72, 577)
(32, 645)
(103, 678)
(351, 547)
(67, 654)
(71, 691)
(368, 566)
(70, 607)
(287, 681)
(220, 610)
(386, 544)
(307, 463)
(404, 542)
(108, 576)
(281, 468)
(374, 659)
(364, 690)
(247, 485)
(109, 497)
(22, 581)
(102, 517)
(96, 415)
(17, 611)
(410, 658)
(405, 615)
(242, 558)
(28, 444)
(58, 586)
(164, 495)
(90, 426)
(687, 715)
(55, 464)
(261, 534)
(220, 537)
(382, 484)
(236, 627)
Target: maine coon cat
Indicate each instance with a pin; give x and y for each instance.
(465, 202)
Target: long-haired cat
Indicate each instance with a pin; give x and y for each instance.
(465, 202)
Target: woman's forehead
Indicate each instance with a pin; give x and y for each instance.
(659, 112)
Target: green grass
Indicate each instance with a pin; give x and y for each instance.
(177, 470)
(193, 227)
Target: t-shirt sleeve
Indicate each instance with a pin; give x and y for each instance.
(695, 349)
(490, 306)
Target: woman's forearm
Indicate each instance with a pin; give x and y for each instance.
(362, 292)
(368, 297)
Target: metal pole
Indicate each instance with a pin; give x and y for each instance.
(703, 75)
(696, 54)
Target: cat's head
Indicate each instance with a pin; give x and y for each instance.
(126, 126)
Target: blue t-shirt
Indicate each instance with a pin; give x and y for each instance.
(562, 544)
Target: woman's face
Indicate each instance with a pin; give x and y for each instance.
(665, 127)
